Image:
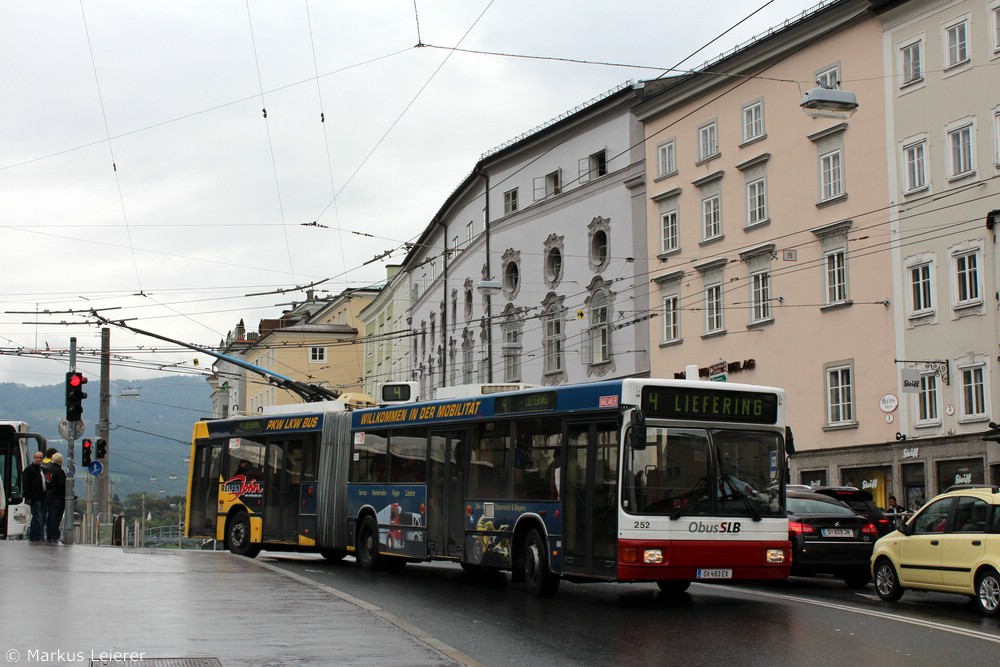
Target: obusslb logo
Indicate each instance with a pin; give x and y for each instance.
(728, 527)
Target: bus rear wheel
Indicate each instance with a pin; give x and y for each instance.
(238, 536)
(540, 579)
(367, 552)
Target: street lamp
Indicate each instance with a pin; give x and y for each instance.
(820, 102)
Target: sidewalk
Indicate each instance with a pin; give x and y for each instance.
(68, 605)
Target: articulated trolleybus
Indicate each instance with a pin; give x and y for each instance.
(634, 480)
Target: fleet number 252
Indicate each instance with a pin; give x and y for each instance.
(641, 524)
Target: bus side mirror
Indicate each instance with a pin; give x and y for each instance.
(638, 431)
(789, 441)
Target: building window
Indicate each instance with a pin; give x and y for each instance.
(468, 361)
(839, 396)
(511, 350)
(829, 77)
(708, 141)
(912, 62)
(669, 232)
(921, 290)
(973, 392)
(756, 202)
(509, 201)
(960, 150)
(511, 277)
(553, 340)
(753, 121)
(599, 239)
(553, 265)
(836, 277)
(666, 158)
(671, 312)
(711, 217)
(760, 297)
(317, 355)
(995, 28)
(831, 182)
(967, 289)
(957, 43)
(714, 322)
(927, 400)
(915, 163)
(599, 352)
(594, 166)
(996, 137)
(548, 185)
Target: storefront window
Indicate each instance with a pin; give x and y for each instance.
(875, 481)
(914, 486)
(965, 471)
(813, 477)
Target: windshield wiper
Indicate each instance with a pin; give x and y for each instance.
(736, 493)
(690, 496)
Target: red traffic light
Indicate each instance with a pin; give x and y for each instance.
(86, 459)
(76, 380)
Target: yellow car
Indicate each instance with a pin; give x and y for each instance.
(952, 545)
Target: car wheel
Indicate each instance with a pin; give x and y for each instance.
(988, 592)
(858, 579)
(887, 581)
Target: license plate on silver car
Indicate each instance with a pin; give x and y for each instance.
(715, 574)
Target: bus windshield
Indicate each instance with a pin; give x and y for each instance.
(704, 472)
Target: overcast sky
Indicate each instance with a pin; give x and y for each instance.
(139, 176)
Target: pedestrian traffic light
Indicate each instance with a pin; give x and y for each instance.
(88, 448)
(75, 395)
(101, 448)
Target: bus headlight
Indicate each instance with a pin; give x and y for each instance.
(776, 556)
(652, 556)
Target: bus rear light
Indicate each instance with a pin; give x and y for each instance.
(775, 556)
(652, 556)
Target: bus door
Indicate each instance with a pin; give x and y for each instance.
(205, 490)
(448, 454)
(283, 473)
(590, 497)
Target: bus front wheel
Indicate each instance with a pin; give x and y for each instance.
(368, 544)
(540, 579)
(238, 536)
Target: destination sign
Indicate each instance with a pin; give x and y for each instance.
(276, 424)
(710, 404)
(541, 401)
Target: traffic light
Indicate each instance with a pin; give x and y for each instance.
(101, 450)
(75, 395)
(88, 448)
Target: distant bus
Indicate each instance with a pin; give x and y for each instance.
(634, 480)
(17, 446)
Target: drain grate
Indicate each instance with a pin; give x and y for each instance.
(159, 662)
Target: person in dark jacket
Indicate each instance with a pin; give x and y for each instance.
(55, 497)
(33, 484)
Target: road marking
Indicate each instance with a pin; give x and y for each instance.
(406, 627)
(878, 614)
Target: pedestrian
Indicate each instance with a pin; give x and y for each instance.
(55, 498)
(894, 507)
(33, 483)
(46, 464)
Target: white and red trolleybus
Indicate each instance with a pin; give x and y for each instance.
(634, 480)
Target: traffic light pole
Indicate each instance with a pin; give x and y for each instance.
(68, 527)
(103, 485)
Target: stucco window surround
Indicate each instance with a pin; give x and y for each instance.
(833, 244)
(553, 260)
(708, 141)
(960, 142)
(973, 388)
(996, 138)
(911, 63)
(599, 243)
(468, 355)
(754, 173)
(758, 260)
(956, 44)
(994, 22)
(467, 291)
(967, 269)
(914, 165)
(510, 267)
(598, 352)
(670, 310)
(831, 163)
(840, 395)
(710, 196)
(713, 296)
(666, 158)
(512, 330)
(553, 339)
(752, 122)
(919, 281)
(668, 215)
